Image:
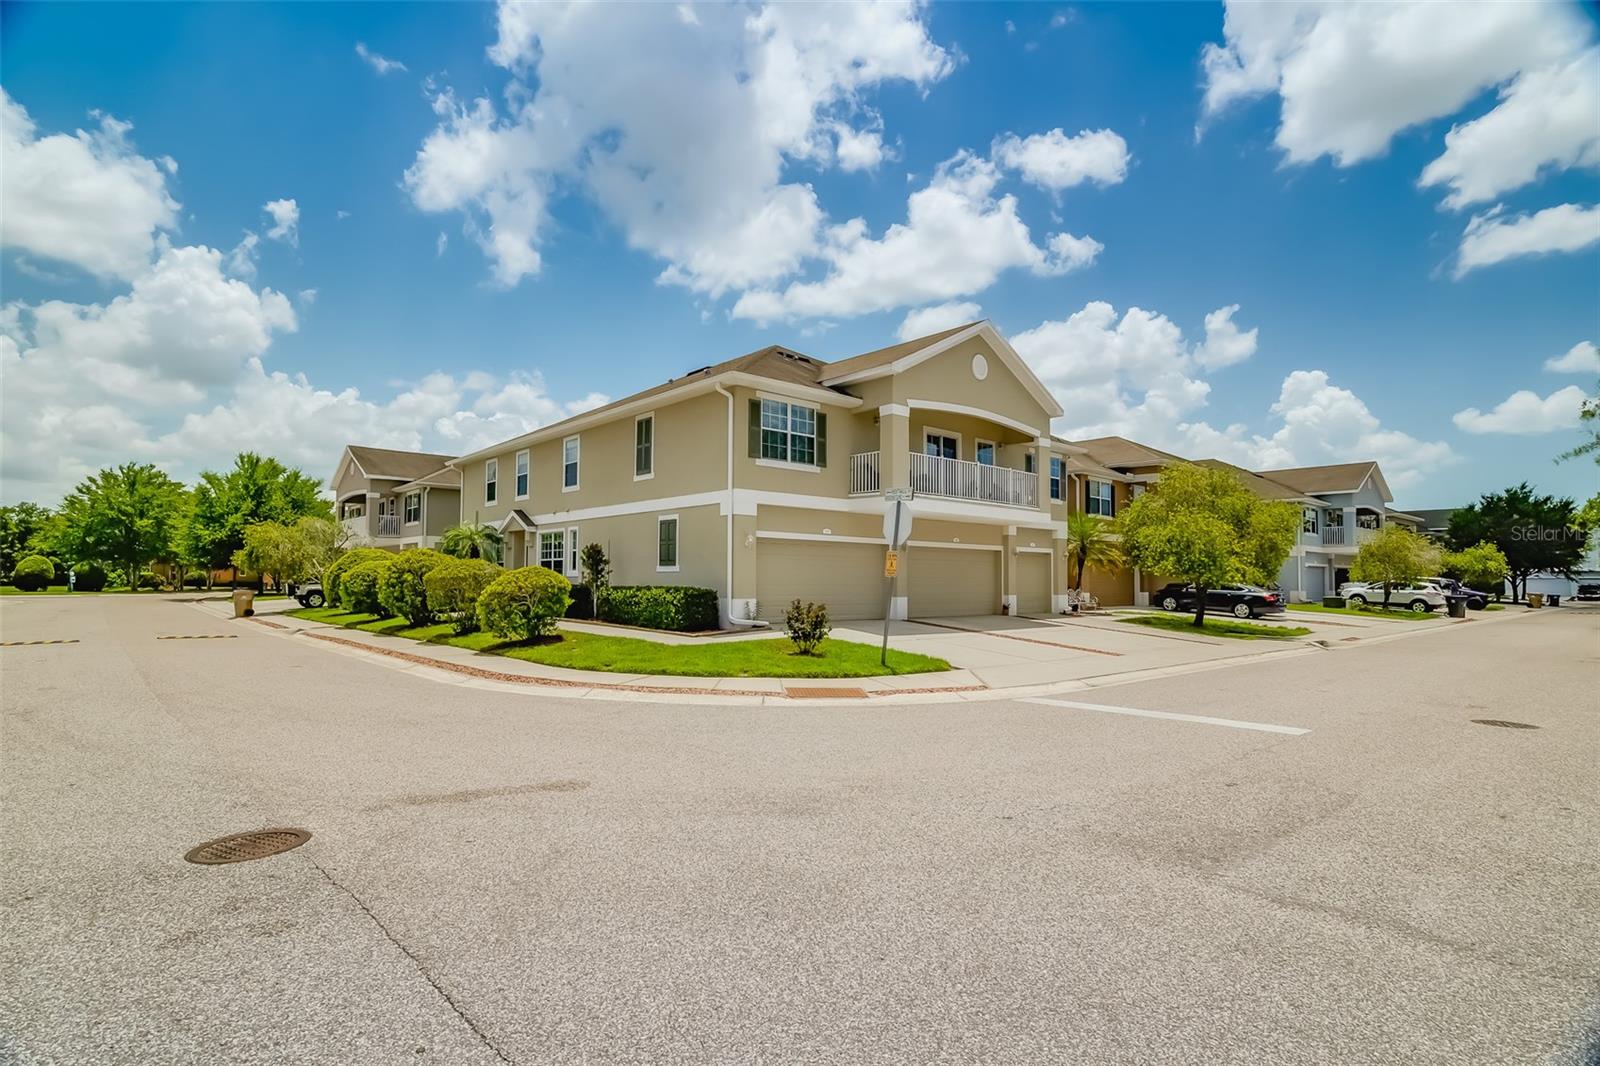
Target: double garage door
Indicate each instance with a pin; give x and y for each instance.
(849, 579)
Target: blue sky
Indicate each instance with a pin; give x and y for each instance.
(542, 208)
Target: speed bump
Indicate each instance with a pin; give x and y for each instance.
(29, 643)
(200, 636)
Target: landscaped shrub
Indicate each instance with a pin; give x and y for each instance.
(453, 588)
(402, 592)
(33, 573)
(195, 579)
(524, 603)
(358, 588)
(343, 565)
(807, 624)
(686, 608)
(89, 577)
(147, 580)
(582, 605)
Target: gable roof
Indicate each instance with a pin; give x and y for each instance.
(885, 356)
(1334, 477)
(1120, 451)
(446, 477)
(387, 464)
(1265, 487)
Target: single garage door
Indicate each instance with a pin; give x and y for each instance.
(950, 582)
(846, 577)
(1316, 583)
(1033, 583)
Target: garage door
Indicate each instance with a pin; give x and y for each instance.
(1033, 583)
(1112, 590)
(950, 582)
(1316, 583)
(846, 577)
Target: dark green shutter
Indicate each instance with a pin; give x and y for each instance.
(822, 439)
(755, 429)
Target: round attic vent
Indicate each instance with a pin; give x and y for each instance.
(980, 366)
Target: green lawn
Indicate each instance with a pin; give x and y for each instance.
(48, 590)
(770, 657)
(1495, 607)
(1218, 627)
(61, 590)
(1396, 614)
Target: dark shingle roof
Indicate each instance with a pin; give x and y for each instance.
(1335, 477)
(402, 466)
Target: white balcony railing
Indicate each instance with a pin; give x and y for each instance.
(864, 474)
(363, 528)
(958, 479)
(1337, 536)
(388, 525)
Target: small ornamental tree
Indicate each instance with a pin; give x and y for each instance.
(453, 588)
(1482, 567)
(1205, 527)
(358, 589)
(1394, 556)
(524, 603)
(471, 540)
(402, 592)
(596, 575)
(333, 576)
(807, 625)
(33, 573)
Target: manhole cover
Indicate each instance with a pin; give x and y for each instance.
(242, 847)
(1502, 723)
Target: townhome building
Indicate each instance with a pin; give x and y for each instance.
(395, 499)
(763, 477)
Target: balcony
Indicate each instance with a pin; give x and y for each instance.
(1340, 536)
(951, 479)
(363, 529)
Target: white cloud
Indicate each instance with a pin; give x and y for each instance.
(381, 64)
(440, 244)
(1547, 119)
(1581, 358)
(1135, 375)
(241, 261)
(1493, 238)
(1068, 253)
(1351, 76)
(1526, 412)
(306, 297)
(926, 320)
(695, 176)
(285, 221)
(1055, 161)
(858, 149)
(85, 198)
(958, 238)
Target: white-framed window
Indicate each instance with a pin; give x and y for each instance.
(644, 447)
(553, 550)
(1098, 498)
(522, 474)
(985, 452)
(491, 480)
(788, 432)
(413, 508)
(1308, 520)
(1056, 477)
(569, 465)
(572, 552)
(940, 444)
(1029, 461)
(667, 543)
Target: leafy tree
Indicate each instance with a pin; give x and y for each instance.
(471, 540)
(20, 523)
(1482, 566)
(257, 489)
(1394, 556)
(1589, 422)
(1204, 526)
(1536, 533)
(128, 515)
(1091, 543)
(273, 549)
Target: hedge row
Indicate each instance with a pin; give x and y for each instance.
(685, 608)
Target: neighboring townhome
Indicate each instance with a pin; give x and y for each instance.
(392, 499)
(763, 477)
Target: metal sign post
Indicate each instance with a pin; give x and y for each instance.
(895, 532)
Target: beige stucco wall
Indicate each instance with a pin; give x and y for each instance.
(948, 378)
(441, 510)
(831, 480)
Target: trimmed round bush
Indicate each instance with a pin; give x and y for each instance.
(89, 577)
(343, 565)
(453, 588)
(147, 580)
(195, 579)
(524, 603)
(33, 573)
(358, 588)
(402, 592)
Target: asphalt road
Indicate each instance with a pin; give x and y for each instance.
(508, 877)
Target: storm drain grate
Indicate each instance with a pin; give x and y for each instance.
(826, 693)
(1502, 723)
(200, 636)
(242, 847)
(30, 643)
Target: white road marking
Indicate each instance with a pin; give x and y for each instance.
(1265, 727)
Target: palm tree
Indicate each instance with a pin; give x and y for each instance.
(471, 540)
(1091, 543)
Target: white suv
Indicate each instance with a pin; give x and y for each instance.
(1422, 596)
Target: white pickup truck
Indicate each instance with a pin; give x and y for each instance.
(1422, 596)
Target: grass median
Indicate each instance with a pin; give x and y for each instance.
(707, 657)
(1394, 614)
(1218, 627)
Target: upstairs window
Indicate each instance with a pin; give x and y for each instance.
(491, 481)
(985, 452)
(644, 446)
(1098, 498)
(522, 474)
(790, 433)
(1308, 520)
(1055, 477)
(569, 464)
(1029, 465)
(413, 508)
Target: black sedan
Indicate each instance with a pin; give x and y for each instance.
(1241, 601)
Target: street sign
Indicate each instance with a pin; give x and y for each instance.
(897, 516)
(891, 563)
(900, 495)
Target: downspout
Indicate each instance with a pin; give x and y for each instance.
(750, 623)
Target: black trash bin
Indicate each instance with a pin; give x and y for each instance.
(1458, 606)
(1555, 601)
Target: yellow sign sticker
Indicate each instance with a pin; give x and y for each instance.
(891, 563)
